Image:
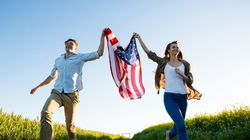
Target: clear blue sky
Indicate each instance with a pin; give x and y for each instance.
(213, 35)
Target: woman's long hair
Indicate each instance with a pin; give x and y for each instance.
(179, 56)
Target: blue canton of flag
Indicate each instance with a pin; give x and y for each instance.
(130, 55)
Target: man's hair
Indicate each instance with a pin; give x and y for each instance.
(72, 40)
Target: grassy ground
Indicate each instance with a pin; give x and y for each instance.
(230, 124)
(15, 127)
(233, 124)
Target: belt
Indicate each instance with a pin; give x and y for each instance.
(176, 94)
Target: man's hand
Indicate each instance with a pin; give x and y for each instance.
(33, 90)
(44, 83)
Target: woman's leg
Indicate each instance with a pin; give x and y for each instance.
(172, 105)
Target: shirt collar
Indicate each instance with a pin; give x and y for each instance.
(62, 55)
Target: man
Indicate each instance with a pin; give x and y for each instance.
(68, 74)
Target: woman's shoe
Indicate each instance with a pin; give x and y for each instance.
(167, 135)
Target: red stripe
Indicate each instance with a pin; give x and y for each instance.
(140, 77)
(124, 92)
(108, 31)
(132, 79)
(120, 70)
(132, 89)
(121, 73)
(113, 41)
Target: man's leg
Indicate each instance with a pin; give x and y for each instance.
(70, 103)
(52, 103)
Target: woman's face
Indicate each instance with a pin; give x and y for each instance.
(174, 49)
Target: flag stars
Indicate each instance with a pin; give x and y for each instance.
(130, 55)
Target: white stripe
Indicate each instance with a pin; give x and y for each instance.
(129, 80)
(119, 68)
(111, 36)
(130, 86)
(112, 63)
(138, 67)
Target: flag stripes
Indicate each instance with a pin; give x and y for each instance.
(127, 77)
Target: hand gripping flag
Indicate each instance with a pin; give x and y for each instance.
(125, 67)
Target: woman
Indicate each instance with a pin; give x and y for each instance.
(173, 74)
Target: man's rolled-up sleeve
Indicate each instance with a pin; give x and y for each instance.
(54, 73)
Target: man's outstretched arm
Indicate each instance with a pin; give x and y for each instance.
(101, 46)
(47, 81)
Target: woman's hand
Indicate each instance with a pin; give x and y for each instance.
(177, 70)
(144, 47)
(136, 35)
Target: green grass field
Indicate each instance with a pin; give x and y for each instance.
(229, 124)
(15, 127)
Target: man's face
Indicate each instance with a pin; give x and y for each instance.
(70, 47)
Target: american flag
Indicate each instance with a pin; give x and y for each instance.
(125, 67)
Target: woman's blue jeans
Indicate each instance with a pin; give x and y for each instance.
(176, 106)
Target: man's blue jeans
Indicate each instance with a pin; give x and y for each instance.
(176, 106)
